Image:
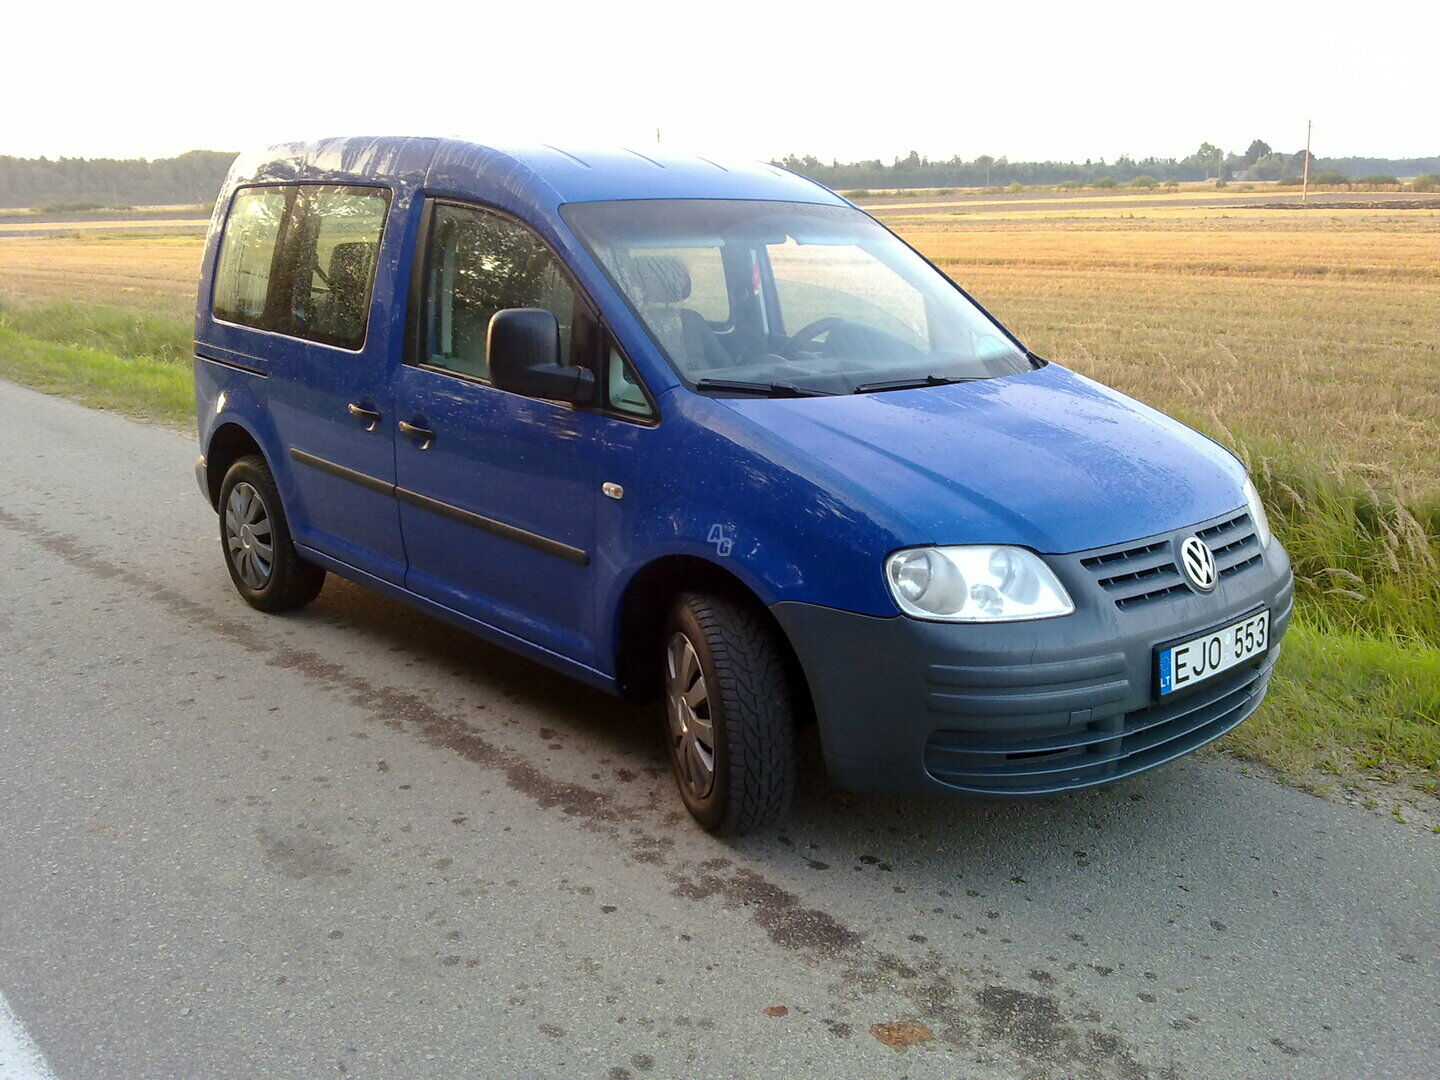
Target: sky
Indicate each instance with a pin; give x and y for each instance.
(741, 79)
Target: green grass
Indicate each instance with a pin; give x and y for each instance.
(1367, 559)
(137, 386)
(134, 362)
(123, 331)
(1358, 683)
(1340, 702)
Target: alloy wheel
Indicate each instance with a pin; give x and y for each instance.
(687, 708)
(249, 541)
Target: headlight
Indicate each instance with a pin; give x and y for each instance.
(975, 584)
(1257, 513)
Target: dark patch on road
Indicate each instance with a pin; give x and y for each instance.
(780, 912)
(300, 855)
(1035, 1025)
(453, 733)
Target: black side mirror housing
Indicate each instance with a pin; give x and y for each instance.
(523, 349)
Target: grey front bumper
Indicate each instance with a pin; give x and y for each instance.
(1033, 708)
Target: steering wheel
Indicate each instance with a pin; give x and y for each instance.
(808, 333)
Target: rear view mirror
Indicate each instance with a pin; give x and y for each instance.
(523, 351)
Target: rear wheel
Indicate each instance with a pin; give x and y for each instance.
(255, 537)
(730, 722)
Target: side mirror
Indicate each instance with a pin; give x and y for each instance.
(523, 350)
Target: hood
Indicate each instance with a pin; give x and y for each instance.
(1046, 459)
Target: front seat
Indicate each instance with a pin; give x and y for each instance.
(663, 283)
(343, 311)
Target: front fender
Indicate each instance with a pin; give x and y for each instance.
(707, 484)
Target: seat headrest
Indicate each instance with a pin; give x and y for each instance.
(661, 279)
(350, 265)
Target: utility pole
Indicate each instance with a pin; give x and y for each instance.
(657, 135)
(1305, 179)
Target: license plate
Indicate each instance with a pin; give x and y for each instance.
(1192, 661)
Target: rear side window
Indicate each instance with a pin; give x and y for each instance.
(336, 247)
(300, 260)
(248, 255)
(478, 263)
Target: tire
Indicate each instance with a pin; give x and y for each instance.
(746, 707)
(269, 576)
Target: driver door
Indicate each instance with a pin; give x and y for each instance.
(497, 491)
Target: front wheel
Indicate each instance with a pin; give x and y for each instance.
(263, 563)
(730, 721)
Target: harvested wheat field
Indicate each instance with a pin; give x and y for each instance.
(1318, 330)
(153, 273)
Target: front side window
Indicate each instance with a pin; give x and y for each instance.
(624, 392)
(816, 298)
(478, 263)
(248, 249)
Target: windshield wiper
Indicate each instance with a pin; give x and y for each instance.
(910, 384)
(770, 389)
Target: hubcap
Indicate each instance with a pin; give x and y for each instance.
(687, 706)
(248, 540)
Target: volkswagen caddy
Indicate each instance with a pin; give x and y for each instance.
(706, 432)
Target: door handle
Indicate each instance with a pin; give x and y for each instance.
(370, 416)
(424, 436)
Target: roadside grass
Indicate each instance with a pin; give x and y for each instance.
(1358, 683)
(124, 331)
(133, 382)
(1340, 703)
(1366, 553)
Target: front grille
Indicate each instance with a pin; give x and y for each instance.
(1144, 573)
(1101, 751)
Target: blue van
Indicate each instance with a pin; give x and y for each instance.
(705, 431)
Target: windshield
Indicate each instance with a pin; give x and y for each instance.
(748, 296)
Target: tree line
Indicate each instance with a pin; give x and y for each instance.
(1259, 161)
(195, 177)
(189, 179)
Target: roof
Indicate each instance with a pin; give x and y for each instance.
(537, 174)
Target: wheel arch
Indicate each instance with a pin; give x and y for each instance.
(644, 607)
(228, 444)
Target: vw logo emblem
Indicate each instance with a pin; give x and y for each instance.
(1199, 564)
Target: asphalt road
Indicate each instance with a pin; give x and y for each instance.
(357, 843)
